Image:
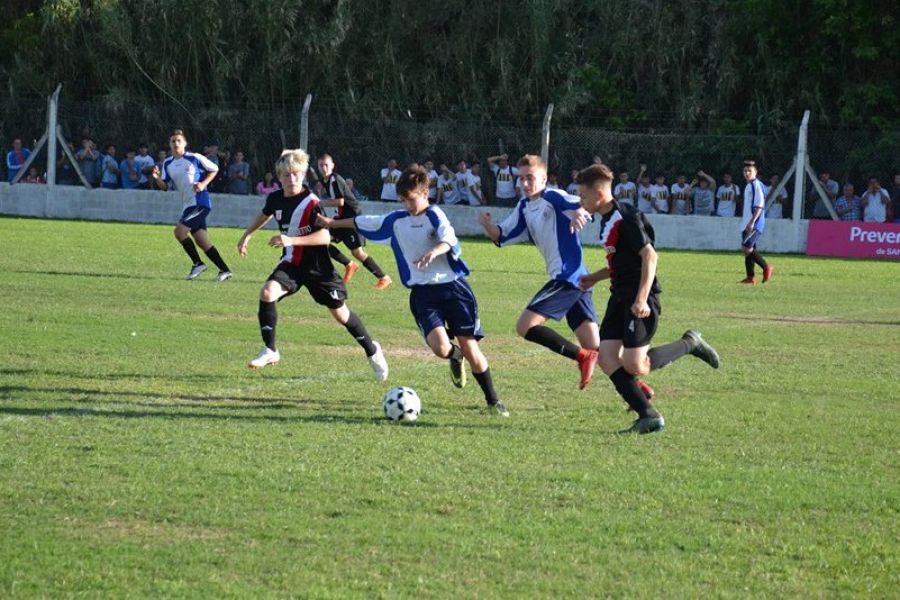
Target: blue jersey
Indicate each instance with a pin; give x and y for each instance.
(754, 197)
(546, 223)
(182, 173)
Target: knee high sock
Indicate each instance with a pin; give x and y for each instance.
(191, 250)
(338, 255)
(356, 328)
(664, 355)
(748, 265)
(548, 338)
(373, 267)
(758, 259)
(455, 352)
(627, 386)
(487, 386)
(268, 317)
(214, 256)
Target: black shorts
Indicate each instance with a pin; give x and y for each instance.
(194, 217)
(328, 291)
(620, 324)
(350, 238)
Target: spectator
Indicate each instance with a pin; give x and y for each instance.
(15, 158)
(702, 195)
(87, 158)
(218, 157)
(847, 206)
(681, 196)
(268, 184)
(462, 183)
(476, 197)
(505, 175)
(33, 176)
(776, 206)
(130, 170)
(389, 177)
(875, 203)
(65, 172)
(726, 197)
(645, 192)
(432, 181)
(552, 181)
(572, 188)
(360, 197)
(820, 211)
(659, 193)
(447, 191)
(895, 195)
(109, 168)
(239, 175)
(145, 163)
(625, 190)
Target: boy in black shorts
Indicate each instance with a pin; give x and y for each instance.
(304, 262)
(633, 308)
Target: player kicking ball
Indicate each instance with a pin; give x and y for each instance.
(428, 260)
(304, 262)
(633, 308)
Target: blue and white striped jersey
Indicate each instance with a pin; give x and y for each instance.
(410, 237)
(545, 222)
(184, 172)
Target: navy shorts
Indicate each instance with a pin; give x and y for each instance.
(619, 323)
(451, 305)
(350, 238)
(194, 217)
(748, 240)
(558, 299)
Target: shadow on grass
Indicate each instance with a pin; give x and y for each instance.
(95, 275)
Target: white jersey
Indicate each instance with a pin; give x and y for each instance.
(449, 193)
(462, 187)
(727, 196)
(645, 195)
(144, 161)
(432, 185)
(506, 181)
(625, 193)
(545, 222)
(875, 211)
(411, 236)
(776, 210)
(389, 185)
(182, 173)
(680, 193)
(475, 197)
(661, 194)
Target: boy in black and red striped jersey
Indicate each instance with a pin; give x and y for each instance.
(304, 262)
(633, 308)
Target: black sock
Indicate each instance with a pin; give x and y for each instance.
(664, 355)
(268, 317)
(372, 266)
(548, 338)
(627, 386)
(487, 386)
(214, 256)
(338, 255)
(191, 249)
(758, 259)
(455, 352)
(359, 333)
(748, 264)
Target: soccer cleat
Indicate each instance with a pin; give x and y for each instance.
(587, 362)
(223, 275)
(750, 280)
(349, 270)
(378, 362)
(645, 425)
(195, 271)
(701, 349)
(266, 357)
(383, 282)
(457, 372)
(499, 409)
(767, 273)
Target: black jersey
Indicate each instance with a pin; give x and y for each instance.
(296, 217)
(623, 232)
(336, 187)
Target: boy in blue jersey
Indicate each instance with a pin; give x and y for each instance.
(188, 174)
(753, 222)
(428, 259)
(542, 217)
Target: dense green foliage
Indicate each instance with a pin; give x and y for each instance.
(140, 458)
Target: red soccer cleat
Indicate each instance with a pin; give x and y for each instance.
(750, 280)
(587, 362)
(349, 270)
(767, 273)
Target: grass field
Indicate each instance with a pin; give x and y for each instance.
(140, 457)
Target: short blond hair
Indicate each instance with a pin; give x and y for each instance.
(291, 161)
(532, 160)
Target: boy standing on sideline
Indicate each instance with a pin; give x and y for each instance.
(505, 175)
(726, 197)
(625, 191)
(389, 176)
(753, 222)
(681, 197)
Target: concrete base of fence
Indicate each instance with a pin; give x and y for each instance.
(141, 206)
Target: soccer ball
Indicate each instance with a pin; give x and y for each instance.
(402, 404)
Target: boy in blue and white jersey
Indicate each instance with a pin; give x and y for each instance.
(543, 217)
(428, 258)
(189, 174)
(753, 222)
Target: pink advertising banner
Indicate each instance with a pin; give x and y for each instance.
(853, 239)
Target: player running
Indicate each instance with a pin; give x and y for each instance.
(189, 174)
(753, 222)
(428, 259)
(633, 308)
(543, 216)
(304, 262)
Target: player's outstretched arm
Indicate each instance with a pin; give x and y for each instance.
(323, 221)
(492, 231)
(588, 281)
(322, 237)
(258, 221)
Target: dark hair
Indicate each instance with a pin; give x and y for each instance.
(413, 179)
(178, 132)
(750, 163)
(325, 155)
(594, 173)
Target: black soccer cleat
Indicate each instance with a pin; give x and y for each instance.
(701, 349)
(498, 408)
(457, 372)
(645, 425)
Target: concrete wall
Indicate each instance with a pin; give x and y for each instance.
(139, 206)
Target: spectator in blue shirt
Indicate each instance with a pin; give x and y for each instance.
(130, 169)
(15, 158)
(87, 159)
(847, 206)
(109, 167)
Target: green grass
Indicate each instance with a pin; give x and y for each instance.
(139, 457)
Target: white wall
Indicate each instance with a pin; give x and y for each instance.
(140, 206)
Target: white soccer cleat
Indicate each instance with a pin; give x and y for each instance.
(223, 275)
(266, 357)
(378, 362)
(195, 272)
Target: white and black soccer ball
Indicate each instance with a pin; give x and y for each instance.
(402, 404)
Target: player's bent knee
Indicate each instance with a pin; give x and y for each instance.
(638, 368)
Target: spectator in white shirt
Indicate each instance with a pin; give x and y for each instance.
(660, 194)
(505, 176)
(432, 180)
(572, 188)
(645, 194)
(476, 197)
(389, 177)
(776, 208)
(726, 197)
(625, 191)
(876, 203)
(681, 196)
(447, 192)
